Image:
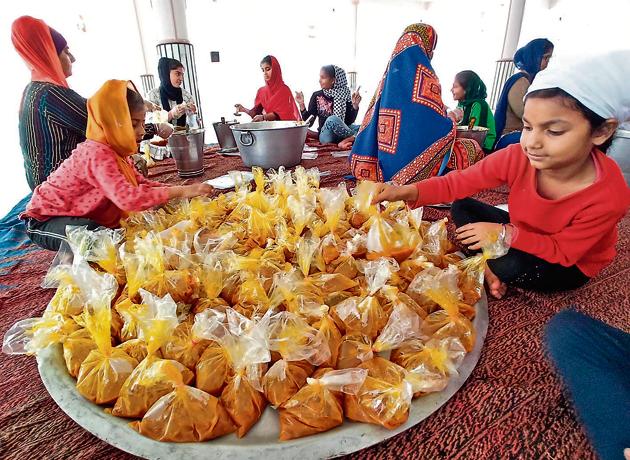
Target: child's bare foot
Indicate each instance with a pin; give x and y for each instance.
(346, 143)
(497, 287)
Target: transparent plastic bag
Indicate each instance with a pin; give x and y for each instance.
(433, 362)
(295, 340)
(355, 348)
(333, 202)
(384, 398)
(305, 251)
(284, 379)
(329, 330)
(185, 414)
(105, 369)
(184, 346)
(144, 264)
(76, 347)
(362, 315)
(98, 246)
(403, 325)
(473, 269)
(29, 336)
(298, 295)
(449, 321)
(301, 210)
(390, 239)
(315, 408)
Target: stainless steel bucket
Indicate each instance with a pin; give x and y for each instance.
(224, 134)
(187, 149)
(270, 144)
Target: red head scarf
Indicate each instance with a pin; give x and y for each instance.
(276, 96)
(32, 40)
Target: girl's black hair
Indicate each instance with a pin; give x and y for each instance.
(266, 60)
(329, 70)
(595, 120)
(134, 101)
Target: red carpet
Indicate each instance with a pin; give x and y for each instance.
(512, 406)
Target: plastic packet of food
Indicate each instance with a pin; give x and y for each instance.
(284, 379)
(68, 299)
(137, 349)
(433, 362)
(185, 414)
(241, 182)
(177, 241)
(206, 241)
(98, 246)
(315, 408)
(473, 268)
(305, 251)
(329, 330)
(333, 201)
(355, 348)
(246, 346)
(390, 239)
(183, 285)
(415, 218)
(260, 226)
(329, 250)
(296, 340)
(29, 336)
(105, 369)
(280, 181)
(298, 295)
(364, 315)
(76, 347)
(301, 210)
(442, 288)
(144, 263)
(184, 346)
(130, 313)
(384, 398)
(403, 325)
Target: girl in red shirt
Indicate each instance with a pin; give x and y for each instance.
(97, 185)
(566, 197)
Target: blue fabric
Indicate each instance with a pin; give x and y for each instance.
(527, 59)
(508, 139)
(593, 360)
(335, 130)
(424, 132)
(14, 241)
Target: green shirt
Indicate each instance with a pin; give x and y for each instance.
(475, 112)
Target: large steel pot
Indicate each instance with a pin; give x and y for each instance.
(224, 133)
(270, 144)
(187, 149)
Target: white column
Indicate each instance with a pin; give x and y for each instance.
(171, 20)
(352, 74)
(513, 28)
(505, 65)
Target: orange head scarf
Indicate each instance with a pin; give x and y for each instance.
(32, 40)
(109, 122)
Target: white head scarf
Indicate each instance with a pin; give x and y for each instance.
(601, 83)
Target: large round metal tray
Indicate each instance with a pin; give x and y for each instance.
(262, 441)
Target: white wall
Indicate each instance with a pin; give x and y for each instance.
(302, 34)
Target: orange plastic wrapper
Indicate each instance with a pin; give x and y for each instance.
(390, 239)
(76, 348)
(152, 378)
(329, 330)
(316, 408)
(105, 368)
(472, 269)
(432, 362)
(284, 379)
(355, 348)
(384, 398)
(442, 288)
(186, 414)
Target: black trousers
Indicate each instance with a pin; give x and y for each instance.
(518, 268)
(51, 233)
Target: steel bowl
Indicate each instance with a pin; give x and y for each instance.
(478, 133)
(270, 144)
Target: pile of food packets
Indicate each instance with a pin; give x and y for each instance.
(192, 318)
